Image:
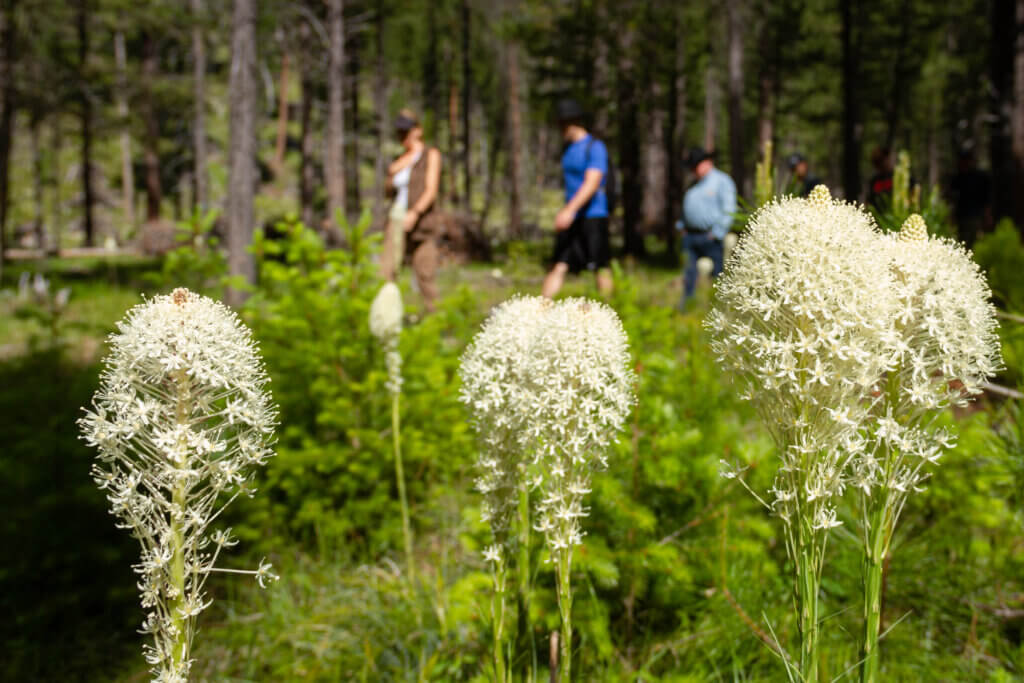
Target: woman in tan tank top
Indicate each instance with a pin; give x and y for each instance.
(414, 226)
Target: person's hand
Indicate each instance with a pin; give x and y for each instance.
(411, 216)
(564, 218)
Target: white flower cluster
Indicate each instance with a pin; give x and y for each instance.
(181, 420)
(550, 386)
(493, 383)
(945, 344)
(846, 339)
(386, 325)
(802, 323)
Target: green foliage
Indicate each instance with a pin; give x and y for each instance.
(1001, 255)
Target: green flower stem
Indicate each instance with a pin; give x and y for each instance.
(180, 653)
(808, 567)
(563, 571)
(400, 478)
(498, 621)
(524, 569)
(874, 560)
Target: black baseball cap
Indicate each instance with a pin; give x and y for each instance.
(695, 155)
(569, 110)
(404, 123)
(793, 159)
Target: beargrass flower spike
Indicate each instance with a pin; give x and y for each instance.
(578, 394)
(946, 344)
(385, 323)
(181, 421)
(491, 369)
(801, 325)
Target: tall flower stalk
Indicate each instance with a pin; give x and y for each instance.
(492, 381)
(944, 333)
(549, 385)
(386, 325)
(800, 323)
(181, 421)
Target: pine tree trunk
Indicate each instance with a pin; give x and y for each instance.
(282, 117)
(467, 199)
(381, 104)
(1017, 118)
(767, 84)
(655, 161)
(306, 175)
(851, 114)
(127, 170)
(86, 120)
(37, 180)
(355, 195)
(243, 103)
(334, 170)
(201, 180)
(737, 151)
(7, 39)
(154, 189)
(432, 77)
(57, 214)
(676, 139)
(629, 146)
(710, 104)
(514, 143)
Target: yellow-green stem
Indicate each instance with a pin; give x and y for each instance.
(524, 572)
(563, 571)
(808, 582)
(874, 563)
(180, 651)
(498, 621)
(400, 478)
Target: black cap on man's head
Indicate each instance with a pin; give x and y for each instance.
(570, 111)
(694, 156)
(795, 160)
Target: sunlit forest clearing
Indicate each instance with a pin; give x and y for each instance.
(453, 494)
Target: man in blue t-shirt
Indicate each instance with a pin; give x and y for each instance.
(581, 226)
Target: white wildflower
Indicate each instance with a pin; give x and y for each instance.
(181, 418)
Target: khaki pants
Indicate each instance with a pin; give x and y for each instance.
(425, 258)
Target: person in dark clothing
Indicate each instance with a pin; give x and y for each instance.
(880, 184)
(581, 225)
(802, 181)
(971, 192)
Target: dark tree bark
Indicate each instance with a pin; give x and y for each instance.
(767, 82)
(1001, 76)
(381, 104)
(201, 180)
(37, 178)
(898, 75)
(57, 218)
(629, 146)
(154, 189)
(1017, 117)
(735, 12)
(851, 112)
(127, 168)
(355, 195)
(243, 102)
(282, 116)
(676, 139)
(655, 161)
(306, 176)
(467, 172)
(334, 168)
(432, 77)
(514, 143)
(85, 104)
(7, 39)
(710, 104)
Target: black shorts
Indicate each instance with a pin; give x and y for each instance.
(584, 246)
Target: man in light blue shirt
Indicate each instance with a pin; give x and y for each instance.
(708, 209)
